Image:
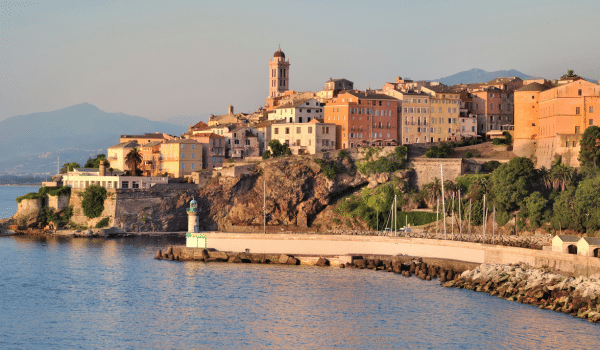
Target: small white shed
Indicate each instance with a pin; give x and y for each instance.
(565, 244)
(589, 246)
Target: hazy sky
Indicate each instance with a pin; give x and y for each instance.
(160, 59)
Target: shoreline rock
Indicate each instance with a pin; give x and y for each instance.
(579, 297)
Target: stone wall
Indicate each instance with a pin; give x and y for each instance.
(58, 202)
(237, 170)
(426, 248)
(80, 219)
(29, 206)
(427, 169)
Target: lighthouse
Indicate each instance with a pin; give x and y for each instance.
(193, 239)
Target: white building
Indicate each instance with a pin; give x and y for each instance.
(82, 178)
(302, 138)
(302, 111)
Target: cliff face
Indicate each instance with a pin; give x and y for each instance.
(296, 192)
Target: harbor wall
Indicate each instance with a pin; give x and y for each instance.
(338, 245)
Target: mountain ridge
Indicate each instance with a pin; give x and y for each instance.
(477, 75)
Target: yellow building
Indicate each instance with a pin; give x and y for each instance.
(180, 157)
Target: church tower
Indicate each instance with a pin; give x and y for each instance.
(279, 78)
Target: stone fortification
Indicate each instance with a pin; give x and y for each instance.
(427, 169)
(29, 207)
(80, 219)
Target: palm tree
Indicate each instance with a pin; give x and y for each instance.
(433, 190)
(110, 170)
(561, 176)
(133, 160)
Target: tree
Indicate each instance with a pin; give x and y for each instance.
(95, 162)
(535, 205)
(561, 175)
(570, 74)
(266, 154)
(433, 191)
(69, 167)
(279, 149)
(512, 182)
(589, 154)
(133, 159)
(93, 201)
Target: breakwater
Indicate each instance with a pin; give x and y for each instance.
(579, 296)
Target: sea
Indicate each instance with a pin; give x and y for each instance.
(93, 293)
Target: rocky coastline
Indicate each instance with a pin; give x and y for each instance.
(579, 297)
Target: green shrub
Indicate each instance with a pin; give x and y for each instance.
(102, 223)
(31, 195)
(388, 164)
(442, 151)
(469, 154)
(93, 201)
(330, 168)
(44, 190)
(490, 166)
(266, 154)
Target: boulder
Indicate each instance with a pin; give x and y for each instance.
(322, 262)
(283, 259)
(293, 261)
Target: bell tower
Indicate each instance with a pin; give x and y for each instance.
(279, 78)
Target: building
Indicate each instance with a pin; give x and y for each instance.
(306, 138)
(279, 74)
(145, 138)
(180, 157)
(550, 121)
(117, 153)
(82, 178)
(334, 86)
(150, 153)
(244, 143)
(213, 149)
(223, 119)
(493, 108)
(363, 118)
(263, 131)
(589, 246)
(301, 111)
(565, 244)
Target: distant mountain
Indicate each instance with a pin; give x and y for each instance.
(31, 143)
(477, 75)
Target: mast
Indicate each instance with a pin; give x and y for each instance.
(437, 219)
(470, 237)
(459, 217)
(264, 205)
(443, 199)
(484, 217)
(452, 222)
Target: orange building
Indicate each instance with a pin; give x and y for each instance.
(553, 125)
(363, 118)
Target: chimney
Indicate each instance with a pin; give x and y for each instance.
(230, 109)
(102, 168)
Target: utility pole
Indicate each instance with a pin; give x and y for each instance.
(459, 216)
(484, 219)
(494, 227)
(452, 221)
(470, 237)
(437, 219)
(264, 205)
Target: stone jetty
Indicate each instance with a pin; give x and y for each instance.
(579, 296)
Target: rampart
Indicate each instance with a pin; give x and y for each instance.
(427, 169)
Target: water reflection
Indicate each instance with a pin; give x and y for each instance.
(87, 293)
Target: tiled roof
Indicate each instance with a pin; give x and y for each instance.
(369, 95)
(210, 135)
(126, 144)
(534, 87)
(502, 80)
(294, 104)
(151, 144)
(569, 238)
(592, 240)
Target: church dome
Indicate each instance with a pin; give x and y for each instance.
(279, 53)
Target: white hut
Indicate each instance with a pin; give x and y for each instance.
(565, 244)
(589, 246)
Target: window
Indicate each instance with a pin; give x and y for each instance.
(193, 166)
(247, 142)
(577, 110)
(577, 130)
(591, 109)
(182, 155)
(310, 129)
(276, 131)
(579, 92)
(193, 155)
(591, 121)
(182, 146)
(125, 184)
(213, 159)
(308, 110)
(287, 131)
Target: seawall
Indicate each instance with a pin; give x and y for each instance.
(339, 245)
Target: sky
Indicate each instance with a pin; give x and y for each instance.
(163, 59)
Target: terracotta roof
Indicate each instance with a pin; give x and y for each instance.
(200, 125)
(534, 87)
(372, 95)
(295, 103)
(502, 80)
(210, 135)
(279, 53)
(151, 144)
(440, 89)
(266, 123)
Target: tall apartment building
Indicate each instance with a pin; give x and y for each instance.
(180, 157)
(363, 118)
(301, 111)
(549, 122)
(306, 138)
(493, 107)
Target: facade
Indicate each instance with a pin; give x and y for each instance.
(306, 138)
(363, 118)
(150, 158)
(180, 157)
(213, 149)
(279, 77)
(145, 138)
(244, 143)
(302, 111)
(117, 153)
(551, 121)
(83, 178)
(494, 108)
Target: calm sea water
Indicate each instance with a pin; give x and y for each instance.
(111, 294)
(8, 196)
